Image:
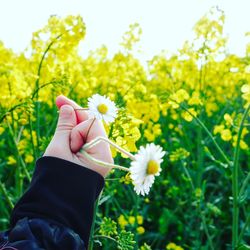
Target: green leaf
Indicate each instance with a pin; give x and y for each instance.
(243, 247)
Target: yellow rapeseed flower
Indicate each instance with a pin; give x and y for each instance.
(11, 160)
(218, 129)
(245, 89)
(139, 219)
(226, 135)
(228, 119)
(29, 158)
(189, 115)
(131, 220)
(1, 130)
(140, 230)
(173, 246)
(122, 221)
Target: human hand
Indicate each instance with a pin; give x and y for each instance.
(71, 133)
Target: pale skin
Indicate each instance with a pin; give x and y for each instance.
(70, 136)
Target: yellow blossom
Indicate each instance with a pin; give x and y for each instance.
(29, 158)
(140, 230)
(139, 219)
(11, 160)
(131, 220)
(228, 119)
(122, 221)
(1, 130)
(189, 114)
(218, 129)
(173, 246)
(195, 99)
(245, 89)
(226, 135)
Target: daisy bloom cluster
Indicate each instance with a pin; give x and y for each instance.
(102, 108)
(145, 164)
(145, 167)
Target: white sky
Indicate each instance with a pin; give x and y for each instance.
(166, 24)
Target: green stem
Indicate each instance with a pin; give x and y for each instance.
(37, 88)
(4, 191)
(244, 185)
(203, 219)
(188, 175)
(31, 137)
(235, 184)
(106, 237)
(22, 164)
(210, 135)
(12, 109)
(206, 230)
(91, 236)
(247, 223)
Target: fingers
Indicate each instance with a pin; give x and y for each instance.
(80, 114)
(85, 132)
(59, 146)
(66, 122)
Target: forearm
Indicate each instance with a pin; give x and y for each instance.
(62, 193)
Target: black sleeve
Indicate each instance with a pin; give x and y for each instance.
(57, 209)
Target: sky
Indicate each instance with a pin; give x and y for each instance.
(166, 24)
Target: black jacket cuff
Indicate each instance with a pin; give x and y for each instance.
(63, 192)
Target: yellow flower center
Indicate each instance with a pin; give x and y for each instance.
(102, 108)
(153, 167)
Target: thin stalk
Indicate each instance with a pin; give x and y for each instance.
(244, 185)
(188, 175)
(210, 135)
(82, 109)
(100, 138)
(37, 88)
(26, 172)
(91, 240)
(31, 137)
(246, 225)
(106, 237)
(102, 163)
(90, 128)
(235, 184)
(206, 230)
(203, 219)
(11, 109)
(20, 158)
(4, 191)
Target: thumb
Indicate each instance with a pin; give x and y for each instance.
(66, 122)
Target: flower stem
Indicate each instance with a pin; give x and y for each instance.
(105, 236)
(90, 128)
(229, 163)
(102, 163)
(247, 223)
(203, 218)
(4, 192)
(235, 184)
(101, 138)
(91, 237)
(244, 185)
(82, 109)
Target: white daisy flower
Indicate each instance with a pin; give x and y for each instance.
(145, 167)
(102, 108)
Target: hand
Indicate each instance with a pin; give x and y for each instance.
(70, 136)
